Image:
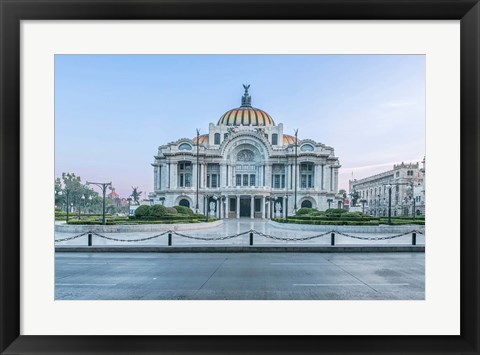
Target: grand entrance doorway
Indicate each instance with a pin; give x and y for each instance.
(245, 207)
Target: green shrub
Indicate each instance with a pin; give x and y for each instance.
(183, 210)
(335, 211)
(157, 212)
(304, 210)
(142, 211)
(171, 210)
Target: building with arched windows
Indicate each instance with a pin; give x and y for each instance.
(246, 167)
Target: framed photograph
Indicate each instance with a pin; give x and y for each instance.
(239, 177)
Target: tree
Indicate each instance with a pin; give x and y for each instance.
(136, 195)
(73, 183)
(343, 193)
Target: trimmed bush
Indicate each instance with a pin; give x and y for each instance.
(157, 211)
(171, 210)
(304, 210)
(142, 211)
(335, 211)
(183, 210)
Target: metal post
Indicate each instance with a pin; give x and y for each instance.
(390, 205)
(295, 198)
(414, 238)
(89, 239)
(332, 239)
(414, 212)
(169, 239)
(198, 171)
(251, 238)
(68, 203)
(286, 209)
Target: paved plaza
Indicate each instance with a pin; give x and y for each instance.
(240, 276)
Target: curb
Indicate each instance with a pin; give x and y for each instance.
(242, 249)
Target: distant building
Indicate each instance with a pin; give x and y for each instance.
(408, 184)
(246, 168)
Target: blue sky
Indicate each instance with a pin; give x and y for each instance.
(113, 111)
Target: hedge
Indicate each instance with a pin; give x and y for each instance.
(327, 223)
(183, 210)
(137, 222)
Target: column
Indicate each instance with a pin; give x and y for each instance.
(331, 178)
(155, 176)
(160, 177)
(223, 174)
(268, 175)
(252, 207)
(238, 206)
(263, 207)
(227, 207)
(168, 175)
(194, 175)
(336, 180)
(322, 176)
(284, 206)
(286, 176)
(173, 175)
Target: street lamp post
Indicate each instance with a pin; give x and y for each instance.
(103, 186)
(389, 187)
(90, 198)
(79, 211)
(296, 156)
(198, 171)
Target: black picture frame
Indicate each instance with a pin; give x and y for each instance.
(13, 11)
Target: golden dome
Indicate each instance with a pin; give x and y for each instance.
(246, 114)
(203, 138)
(288, 139)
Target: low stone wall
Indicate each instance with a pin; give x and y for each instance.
(348, 229)
(65, 228)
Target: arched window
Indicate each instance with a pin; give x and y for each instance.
(185, 146)
(307, 204)
(184, 202)
(274, 139)
(217, 138)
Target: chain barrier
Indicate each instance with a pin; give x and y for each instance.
(239, 235)
(214, 238)
(290, 239)
(131, 240)
(374, 238)
(70, 238)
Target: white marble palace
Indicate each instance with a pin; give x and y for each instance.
(246, 167)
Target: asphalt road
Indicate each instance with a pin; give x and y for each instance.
(239, 276)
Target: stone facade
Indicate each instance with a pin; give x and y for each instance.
(407, 181)
(246, 168)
